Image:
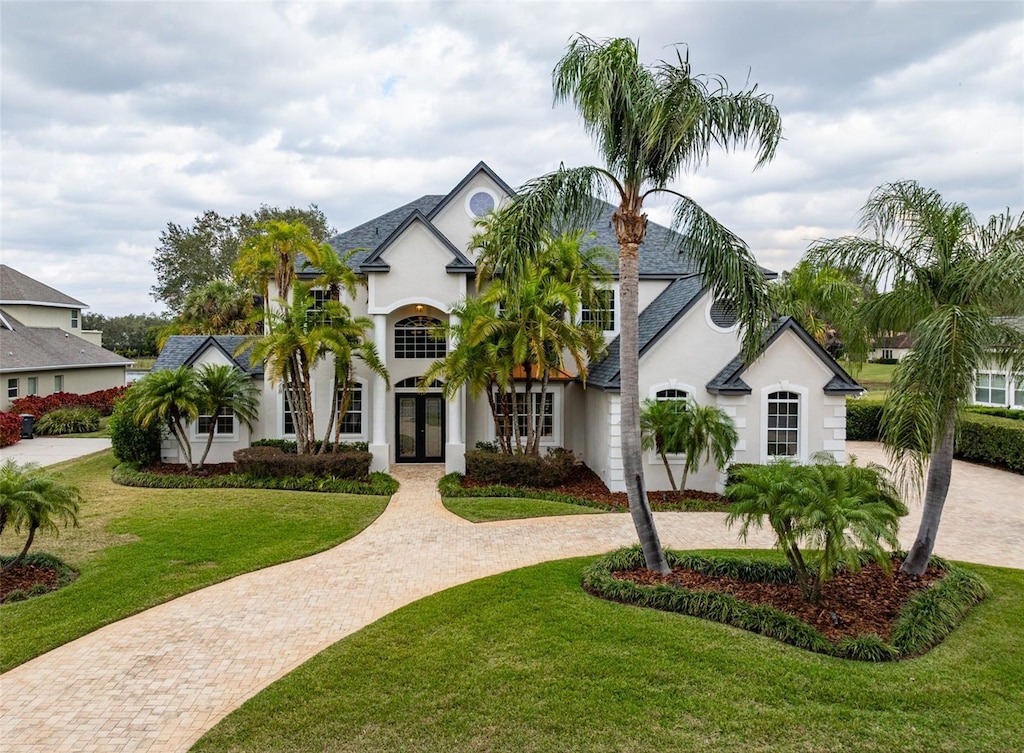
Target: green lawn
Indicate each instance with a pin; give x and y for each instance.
(875, 378)
(483, 509)
(527, 661)
(139, 547)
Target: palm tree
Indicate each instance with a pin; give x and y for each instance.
(272, 254)
(699, 432)
(216, 308)
(226, 388)
(650, 123)
(949, 279)
(32, 498)
(171, 397)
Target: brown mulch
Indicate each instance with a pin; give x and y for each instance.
(179, 469)
(25, 577)
(586, 484)
(851, 604)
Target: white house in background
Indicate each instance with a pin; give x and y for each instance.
(891, 348)
(418, 262)
(43, 348)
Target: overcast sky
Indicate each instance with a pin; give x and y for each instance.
(118, 118)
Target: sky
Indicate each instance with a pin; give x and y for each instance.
(118, 118)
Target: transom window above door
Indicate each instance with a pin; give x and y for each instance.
(414, 338)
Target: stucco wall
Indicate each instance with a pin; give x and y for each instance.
(79, 381)
(45, 316)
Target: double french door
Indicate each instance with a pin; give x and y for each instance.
(419, 428)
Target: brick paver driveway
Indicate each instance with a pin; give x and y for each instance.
(158, 680)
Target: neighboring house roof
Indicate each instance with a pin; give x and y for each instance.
(655, 320)
(903, 341)
(18, 288)
(184, 350)
(729, 380)
(24, 348)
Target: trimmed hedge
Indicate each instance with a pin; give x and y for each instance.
(1016, 415)
(10, 428)
(984, 435)
(271, 462)
(101, 400)
(520, 470)
(378, 484)
(451, 486)
(927, 618)
(291, 448)
(130, 441)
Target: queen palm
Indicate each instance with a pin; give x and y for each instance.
(650, 124)
(224, 388)
(952, 281)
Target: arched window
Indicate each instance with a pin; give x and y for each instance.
(783, 424)
(670, 394)
(414, 338)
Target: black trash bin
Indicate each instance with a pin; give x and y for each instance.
(28, 422)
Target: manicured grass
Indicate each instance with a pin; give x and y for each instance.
(483, 509)
(527, 661)
(875, 378)
(139, 547)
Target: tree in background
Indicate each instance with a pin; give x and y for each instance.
(189, 257)
(951, 282)
(130, 335)
(651, 124)
(825, 301)
(216, 308)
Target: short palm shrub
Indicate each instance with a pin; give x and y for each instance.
(76, 420)
(32, 498)
(683, 427)
(845, 512)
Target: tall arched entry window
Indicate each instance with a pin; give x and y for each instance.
(414, 338)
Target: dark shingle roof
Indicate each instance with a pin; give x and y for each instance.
(371, 234)
(183, 350)
(31, 348)
(655, 320)
(728, 381)
(16, 287)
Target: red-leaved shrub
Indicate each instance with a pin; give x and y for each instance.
(10, 428)
(101, 400)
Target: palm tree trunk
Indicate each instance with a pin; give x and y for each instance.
(940, 471)
(24, 550)
(630, 227)
(209, 438)
(331, 418)
(668, 469)
(540, 412)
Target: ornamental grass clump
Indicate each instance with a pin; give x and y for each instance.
(845, 512)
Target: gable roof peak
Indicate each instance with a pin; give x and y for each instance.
(481, 167)
(18, 288)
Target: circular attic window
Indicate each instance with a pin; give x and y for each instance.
(722, 315)
(480, 203)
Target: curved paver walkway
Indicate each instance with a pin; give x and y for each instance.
(158, 680)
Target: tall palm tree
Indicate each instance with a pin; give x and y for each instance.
(950, 279)
(32, 498)
(650, 124)
(272, 254)
(171, 397)
(226, 388)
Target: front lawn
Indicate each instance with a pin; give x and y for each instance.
(875, 378)
(527, 661)
(484, 509)
(139, 547)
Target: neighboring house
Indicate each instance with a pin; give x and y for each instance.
(417, 260)
(892, 348)
(998, 386)
(43, 348)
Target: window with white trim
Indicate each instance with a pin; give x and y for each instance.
(33, 386)
(225, 424)
(603, 317)
(287, 415)
(12, 387)
(990, 388)
(414, 338)
(783, 424)
(887, 354)
(504, 408)
(670, 394)
(1018, 391)
(352, 422)
(58, 383)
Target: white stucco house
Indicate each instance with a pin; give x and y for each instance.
(43, 347)
(417, 261)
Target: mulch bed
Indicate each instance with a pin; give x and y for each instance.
(26, 577)
(586, 484)
(851, 604)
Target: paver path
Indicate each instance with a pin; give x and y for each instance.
(158, 680)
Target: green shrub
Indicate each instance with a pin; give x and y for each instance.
(378, 484)
(78, 420)
(291, 448)
(1013, 413)
(863, 420)
(993, 440)
(520, 470)
(451, 486)
(270, 462)
(130, 441)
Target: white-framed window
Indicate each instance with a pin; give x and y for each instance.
(353, 422)
(58, 383)
(887, 354)
(783, 424)
(1018, 391)
(550, 425)
(990, 388)
(32, 388)
(287, 417)
(603, 317)
(12, 387)
(675, 391)
(414, 338)
(74, 318)
(224, 427)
